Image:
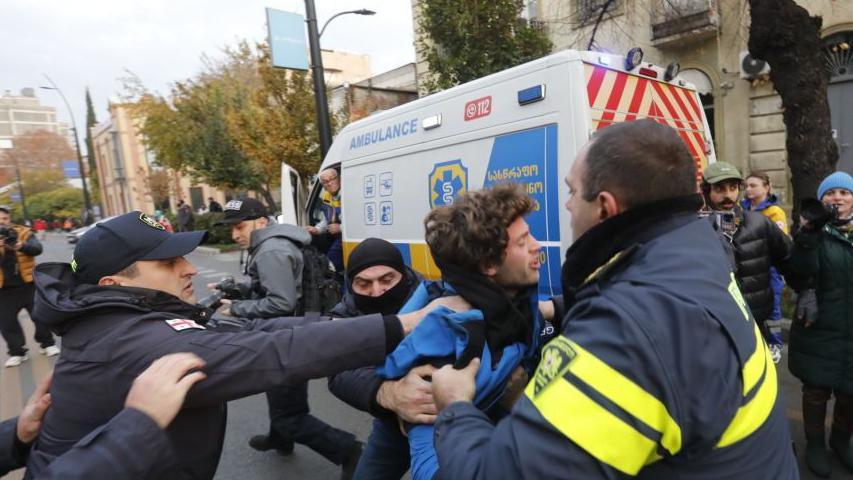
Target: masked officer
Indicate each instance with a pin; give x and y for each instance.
(112, 450)
(660, 370)
(127, 298)
(378, 281)
(18, 249)
(275, 267)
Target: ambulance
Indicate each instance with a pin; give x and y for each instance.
(522, 125)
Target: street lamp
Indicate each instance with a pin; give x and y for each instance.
(324, 124)
(86, 201)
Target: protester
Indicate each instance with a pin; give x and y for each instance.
(118, 312)
(163, 220)
(186, 219)
(821, 269)
(112, 450)
(659, 370)
(328, 231)
(275, 267)
(18, 249)
(758, 244)
(759, 198)
(378, 281)
(487, 254)
(213, 205)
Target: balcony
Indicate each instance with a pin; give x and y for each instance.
(683, 21)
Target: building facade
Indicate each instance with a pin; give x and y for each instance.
(708, 38)
(129, 177)
(381, 92)
(24, 113)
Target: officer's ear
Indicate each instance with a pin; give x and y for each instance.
(110, 281)
(608, 205)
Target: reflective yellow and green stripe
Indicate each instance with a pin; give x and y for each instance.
(597, 430)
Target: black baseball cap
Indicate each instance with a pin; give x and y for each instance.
(111, 246)
(244, 208)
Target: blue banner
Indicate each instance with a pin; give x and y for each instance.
(286, 32)
(71, 169)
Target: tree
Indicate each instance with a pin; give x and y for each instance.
(58, 203)
(91, 121)
(44, 180)
(233, 124)
(39, 149)
(464, 41)
(788, 38)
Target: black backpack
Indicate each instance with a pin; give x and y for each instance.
(321, 285)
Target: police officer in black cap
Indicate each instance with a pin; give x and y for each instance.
(127, 298)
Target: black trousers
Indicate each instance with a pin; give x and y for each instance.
(814, 411)
(291, 422)
(12, 301)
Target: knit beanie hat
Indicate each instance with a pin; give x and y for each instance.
(372, 252)
(841, 180)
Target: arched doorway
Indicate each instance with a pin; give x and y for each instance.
(705, 89)
(838, 54)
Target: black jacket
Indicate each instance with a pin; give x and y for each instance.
(358, 387)
(110, 451)
(758, 245)
(111, 334)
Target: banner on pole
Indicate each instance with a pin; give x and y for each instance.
(286, 36)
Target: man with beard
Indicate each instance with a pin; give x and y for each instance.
(659, 370)
(757, 243)
(489, 257)
(378, 281)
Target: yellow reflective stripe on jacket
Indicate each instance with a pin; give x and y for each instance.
(754, 366)
(597, 430)
(629, 396)
(753, 414)
(593, 428)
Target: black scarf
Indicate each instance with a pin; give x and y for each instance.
(507, 320)
(620, 233)
(390, 302)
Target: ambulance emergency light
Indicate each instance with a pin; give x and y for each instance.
(634, 57)
(532, 94)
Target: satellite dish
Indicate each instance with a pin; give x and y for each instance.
(752, 66)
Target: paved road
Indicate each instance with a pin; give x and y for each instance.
(248, 416)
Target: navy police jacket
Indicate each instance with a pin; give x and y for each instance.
(111, 334)
(659, 372)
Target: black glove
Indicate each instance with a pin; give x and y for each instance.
(815, 213)
(806, 307)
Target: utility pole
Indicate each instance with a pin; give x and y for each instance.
(324, 124)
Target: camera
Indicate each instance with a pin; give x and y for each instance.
(8, 236)
(225, 288)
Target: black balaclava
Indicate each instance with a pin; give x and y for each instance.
(372, 252)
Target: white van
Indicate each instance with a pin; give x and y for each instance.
(524, 124)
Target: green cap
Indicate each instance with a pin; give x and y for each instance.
(719, 171)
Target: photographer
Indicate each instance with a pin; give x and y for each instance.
(757, 243)
(276, 266)
(821, 338)
(18, 247)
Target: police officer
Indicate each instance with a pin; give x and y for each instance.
(626, 389)
(18, 249)
(111, 451)
(127, 298)
(275, 267)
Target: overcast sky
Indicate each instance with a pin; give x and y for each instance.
(91, 42)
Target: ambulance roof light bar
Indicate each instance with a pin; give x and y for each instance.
(671, 71)
(633, 58)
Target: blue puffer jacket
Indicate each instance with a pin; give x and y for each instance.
(442, 334)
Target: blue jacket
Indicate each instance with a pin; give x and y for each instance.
(659, 372)
(442, 334)
(111, 451)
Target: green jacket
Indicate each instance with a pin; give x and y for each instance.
(822, 355)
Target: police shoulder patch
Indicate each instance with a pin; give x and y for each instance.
(151, 222)
(556, 357)
(179, 324)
